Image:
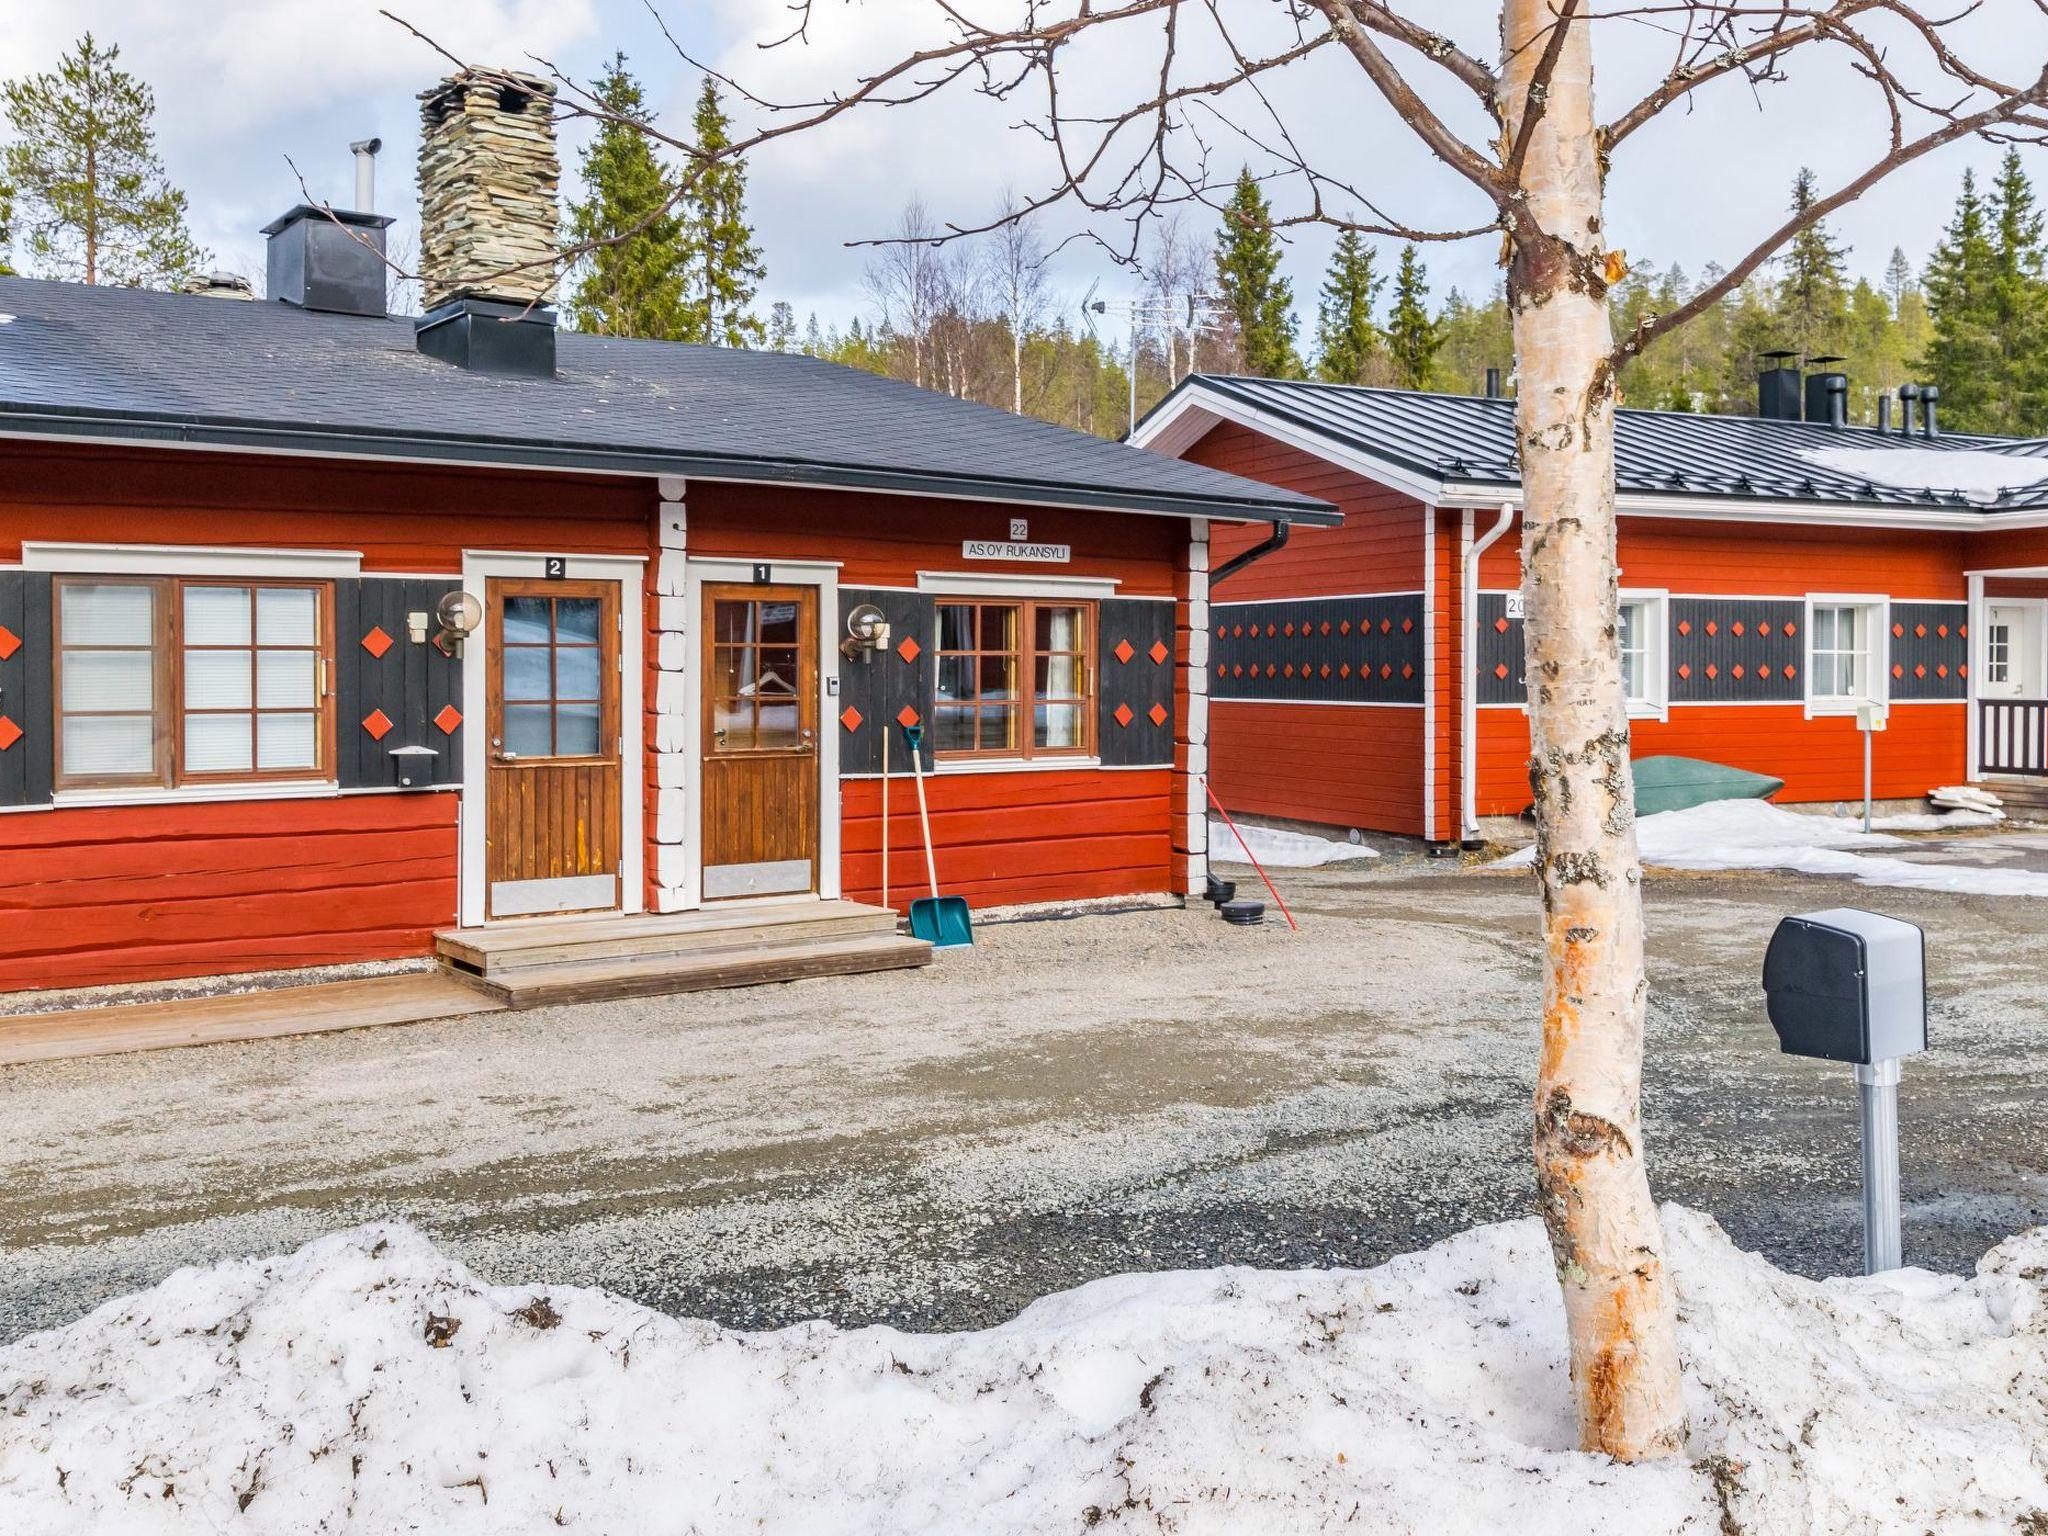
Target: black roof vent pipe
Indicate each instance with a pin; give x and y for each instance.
(1884, 413)
(1827, 393)
(1777, 388)
(1930, 397)
(1908, 395)
(1493, 383)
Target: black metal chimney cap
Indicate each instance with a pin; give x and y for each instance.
(285, 220)
(490, 336)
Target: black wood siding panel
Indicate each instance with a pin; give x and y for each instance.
(1134, 689)
(873, 693)
(1737, 650)
(1343, 650)
(28, 763)
(1501, 651)
(1929, 650)
(410, 683)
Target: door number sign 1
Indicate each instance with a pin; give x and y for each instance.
(554, 567)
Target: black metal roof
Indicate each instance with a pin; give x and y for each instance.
(130, 365)
(1466, 442)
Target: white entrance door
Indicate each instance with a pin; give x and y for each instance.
(2012, 651)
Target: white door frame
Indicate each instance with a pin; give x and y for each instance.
(630, 572)
(824, 575)
(2030, 644)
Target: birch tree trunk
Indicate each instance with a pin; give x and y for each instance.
(1595, 1194)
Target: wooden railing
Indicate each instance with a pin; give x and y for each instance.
(2012, 735)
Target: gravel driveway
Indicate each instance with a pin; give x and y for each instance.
(1072, 1098)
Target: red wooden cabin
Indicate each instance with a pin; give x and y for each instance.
(323, 630)
(1776, 573)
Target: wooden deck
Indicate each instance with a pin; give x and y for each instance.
(410, 998)
(580, 960)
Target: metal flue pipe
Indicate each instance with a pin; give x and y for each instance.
(365, 151)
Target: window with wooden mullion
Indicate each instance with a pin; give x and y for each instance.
(1014, 680)
(164, 682)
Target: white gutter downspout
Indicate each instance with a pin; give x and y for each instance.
(1468, 756)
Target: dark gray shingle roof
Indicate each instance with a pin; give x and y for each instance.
(176, 367)
(1462, 439)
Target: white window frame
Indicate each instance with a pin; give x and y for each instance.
(1655, 702)
(1877, 653)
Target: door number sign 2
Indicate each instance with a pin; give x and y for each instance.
(554, 567)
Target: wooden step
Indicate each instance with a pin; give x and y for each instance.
(503, 948)
(586, 980)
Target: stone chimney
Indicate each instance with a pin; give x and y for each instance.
(489, 186)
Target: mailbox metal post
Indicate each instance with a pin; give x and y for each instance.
(1851, 986)
(1877, 1085)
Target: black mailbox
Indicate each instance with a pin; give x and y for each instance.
(1847, 985)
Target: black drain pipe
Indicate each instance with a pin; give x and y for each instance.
(1237, 562)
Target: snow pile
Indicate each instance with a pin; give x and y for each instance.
(1976, 476)
(1277, 849)
(367, 1383)
(1754, 834)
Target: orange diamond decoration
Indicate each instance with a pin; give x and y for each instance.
(449, 718)
(1764, 629)
(1712, 670)
(1159, 652)
(1684, 670)
(1407, 670)
(376, 642)
(1713, 628)
(1326, 669)
(1326, 626)
(1123, 651)
(1941, 630)
(1736, 669)
(1270, 669)
(1763, 671)
(1791, 629)
(1123, 715)
(377, 723)
(1386, 669)
(1736, 627)
(1942, 670)
(1790, 670)
(1500, 669)
(910, 650)
(1899, 631)
(1897, 670)
(1288, 631)
(1386, 626)
(1157, 714)
(850, 718)
(906, 716)
(10, 733)
(1288, 670)
(1685, 626)
(1920, 631)
(1344, 628)
(1345, 670)
(1407, 625)
(1500, 626)
(10, 642)
(1920, 670)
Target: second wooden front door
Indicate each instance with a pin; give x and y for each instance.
(760, 755)
(553, 842)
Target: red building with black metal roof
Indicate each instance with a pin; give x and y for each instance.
(1776, 573)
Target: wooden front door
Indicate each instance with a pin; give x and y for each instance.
(553, 840)
(760, 741)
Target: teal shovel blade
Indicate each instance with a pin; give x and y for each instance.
(941, 921)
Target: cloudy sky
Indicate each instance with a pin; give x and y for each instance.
(245, 86)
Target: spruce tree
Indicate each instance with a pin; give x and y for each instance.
(632, 283)
(1347, 340)
(1812, 300)
(1412, 337)
(1248, 272)
(724, 268)
(96, 203)
(1898, 279)
(1962, 354)
(2018, 305)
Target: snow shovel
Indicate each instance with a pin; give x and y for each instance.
(941, 921)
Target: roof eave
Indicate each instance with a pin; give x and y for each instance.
(47, 423)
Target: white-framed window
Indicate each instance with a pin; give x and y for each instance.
(1642, 633)
(1845, 652)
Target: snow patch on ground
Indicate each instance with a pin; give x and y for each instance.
(1277, 849)
(369, 1383)
(1754, 834)
(1974, 475)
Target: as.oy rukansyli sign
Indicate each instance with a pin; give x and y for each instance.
(1012, 549)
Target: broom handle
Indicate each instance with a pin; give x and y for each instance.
(1247, 847)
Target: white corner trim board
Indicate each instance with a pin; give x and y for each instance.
(187, 560)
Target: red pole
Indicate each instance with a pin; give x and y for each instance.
(1247, 847)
